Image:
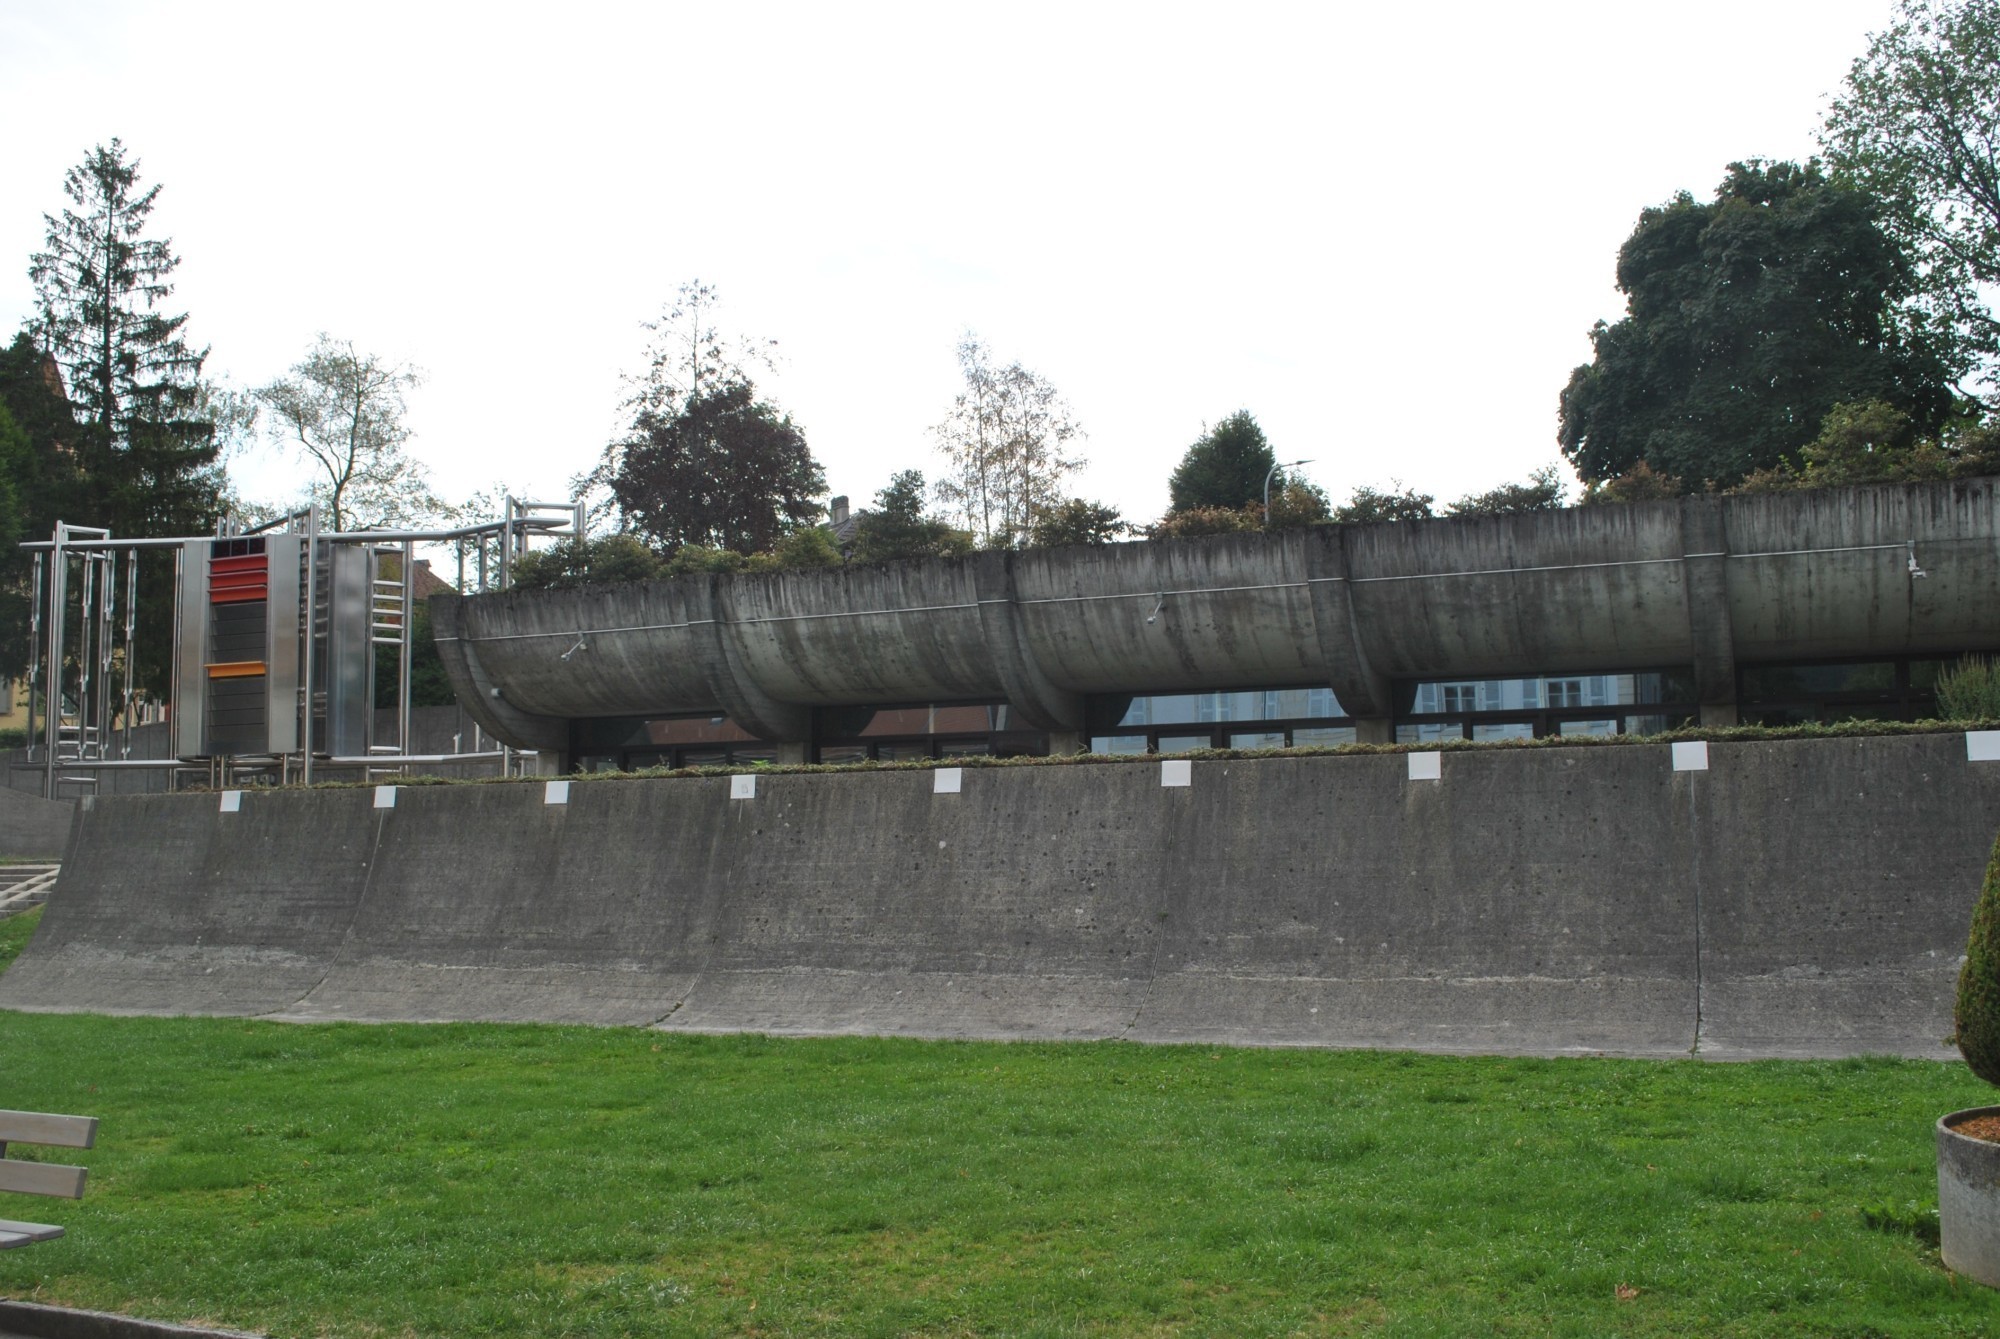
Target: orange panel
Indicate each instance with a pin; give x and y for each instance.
(237, 669)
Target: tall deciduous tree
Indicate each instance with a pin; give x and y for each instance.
(1006, 446)
(146, 450)
(723, 470)
(1750, 318)
(1918, 126)
(1226, 466)
(341, 410)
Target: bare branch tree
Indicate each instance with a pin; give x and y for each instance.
(341, 410)
(1005, 446)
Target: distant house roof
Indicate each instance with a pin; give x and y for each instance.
(427, 583)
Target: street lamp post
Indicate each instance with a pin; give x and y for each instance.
(1275, 467)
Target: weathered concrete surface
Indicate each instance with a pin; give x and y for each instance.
(178, 908)
(1702, 583)
(1797, 898)
(33, 827)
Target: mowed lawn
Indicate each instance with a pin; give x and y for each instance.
(525, 1180)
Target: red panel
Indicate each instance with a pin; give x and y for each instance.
(238, 580)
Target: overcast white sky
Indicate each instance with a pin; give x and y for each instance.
(1385, 230)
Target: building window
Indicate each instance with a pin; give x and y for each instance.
(922, 730)
(1531, 707)
(1900, 689)
(632, 744)
(1255, 718)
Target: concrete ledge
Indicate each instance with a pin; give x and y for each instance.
(31, 1320)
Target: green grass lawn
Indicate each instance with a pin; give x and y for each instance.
(520, 1180)
(14, 933)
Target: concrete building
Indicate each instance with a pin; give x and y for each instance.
(1618, 619)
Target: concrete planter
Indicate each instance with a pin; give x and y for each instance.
(1969, 1199)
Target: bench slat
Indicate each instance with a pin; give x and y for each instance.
(20, 1234)
(42, 1178)
(36, 1127)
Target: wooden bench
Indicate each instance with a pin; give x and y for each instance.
(41, 1178)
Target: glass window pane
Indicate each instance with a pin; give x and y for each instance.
(753, 755)
(1266, 739)
(1428, 732)
(1587, 727)
(1775, 683)
(964, 748)
(1118, 744)
(1242, 707)
(902, 752)
(1182, 743)
(704, 757)
(1650, 725)
(844, 753)
(1322, 736)
(671, 730)
(963, 720)
(1174, 708)
(1503, 730)
(1292, 704)
(1924, 674)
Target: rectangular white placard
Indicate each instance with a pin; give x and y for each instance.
(1691, 755)
(1177, 772)
(1982, 745)
(232, 801)
(385, 797)
(946, 780)
(743, 786)
(555, 792)
(1426, 766)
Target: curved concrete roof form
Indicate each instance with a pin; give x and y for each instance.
(1704, 582)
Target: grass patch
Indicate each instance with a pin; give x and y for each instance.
(534, 1180)
(15, 931)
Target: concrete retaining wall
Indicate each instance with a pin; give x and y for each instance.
(1796, 898)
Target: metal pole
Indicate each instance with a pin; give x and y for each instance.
(310, 587)
(131, 658)
(107, 615)
(1276, 465)
(58, 597)
(174, 661)
(86, 618)
(35, 675)
(403, 651)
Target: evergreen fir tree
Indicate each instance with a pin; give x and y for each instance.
(144, 446)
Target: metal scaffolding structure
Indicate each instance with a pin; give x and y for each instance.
(275, 633)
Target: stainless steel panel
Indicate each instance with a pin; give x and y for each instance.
(346, 682)
(286, 607)
(191, 652)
